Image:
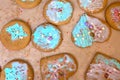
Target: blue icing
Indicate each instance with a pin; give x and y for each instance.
(59, 11)
(109, 62)
(85, 3)
(47, 37)
(17, 72)
(16, 31)
(81, 33)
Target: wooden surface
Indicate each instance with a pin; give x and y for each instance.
(9, 11)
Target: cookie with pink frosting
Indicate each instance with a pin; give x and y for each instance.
(112, 15)
(103, 67)
(58, 67)
(88, 30)
(58, 12)
(92, 6)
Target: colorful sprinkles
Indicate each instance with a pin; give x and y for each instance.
(16, 31)
(59, 68)
(47, 37)
(17, 72)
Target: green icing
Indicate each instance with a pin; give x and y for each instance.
(110, 62)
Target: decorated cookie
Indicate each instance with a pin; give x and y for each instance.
(92, 6)
(113, 15)
(58, 11)
(15, 35)
(58, 67)
(17, 70)
(28, 3)
(103, 68)
(88, 30)
(46, 37)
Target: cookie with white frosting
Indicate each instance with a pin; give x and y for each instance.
(92, 6)
(88, 30)
(15, 35)
(46, 37)
(58, 67)
(28, 3)
(17, 70)
(58, 12)
(112, 15)
(103, 67)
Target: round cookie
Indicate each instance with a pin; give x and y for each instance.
(58, 67)
(88, 30)
(112, 15)
(28, 3)
(15, 35)
(46, 37)
(92, 6)
(58, 12)
(17, 70)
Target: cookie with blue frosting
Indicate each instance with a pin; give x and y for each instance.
(46, 37)
(103, 67)
(15, 35)
(28, 3)
(89, 29)
(58, 67)
(58, 12)
(92, 6)
(17, 70)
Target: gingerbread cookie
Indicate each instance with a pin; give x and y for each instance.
(15, 35)
(17, 70)
(103, 67)
(88, 30)
(112, 15)
(92, 6)
(58, 12)
(58, 67)
(46, 37)
(28, 3)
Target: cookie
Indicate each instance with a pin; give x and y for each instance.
(112, 15)
(28, 3)
(58, 12)
(15, 35)
(46, 37)
(17, 70)
(58, 67)
(103, 67)
(88, 30)
(92, 6)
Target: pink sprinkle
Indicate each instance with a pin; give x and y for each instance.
(50, 38)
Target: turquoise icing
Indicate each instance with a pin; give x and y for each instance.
(110, 62)
(16, 31)
(85, 3)
(17, 72)
(81, 33)
(47, 37)
(59, 11)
